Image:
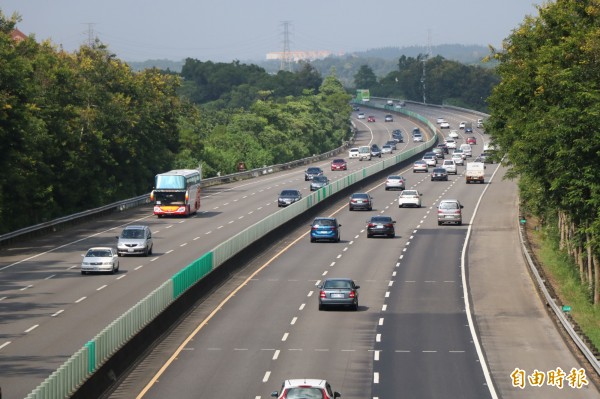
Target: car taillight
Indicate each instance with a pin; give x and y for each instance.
(322, 294)
(389, 225)
(371, 225)
(352, 294)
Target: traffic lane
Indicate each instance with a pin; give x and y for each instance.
(324, 256)
(425, 330)
(514, 325)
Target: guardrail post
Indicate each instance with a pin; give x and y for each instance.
(91, 348)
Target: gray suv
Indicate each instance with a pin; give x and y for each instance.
(449, 211)
(135, 240)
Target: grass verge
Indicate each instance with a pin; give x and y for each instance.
(563, 274)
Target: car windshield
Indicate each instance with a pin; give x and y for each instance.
(337, 284)
(449, 205)
(324, 222)
(338, 161)
(98, 253)
(132, 233)
(313, 170)
(381, 219)
(289, 193)
(304, 393)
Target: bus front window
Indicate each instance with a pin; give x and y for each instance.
(169, 198)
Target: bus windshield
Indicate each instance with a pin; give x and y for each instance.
(170, 182)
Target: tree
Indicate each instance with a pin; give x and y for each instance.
(365, 78)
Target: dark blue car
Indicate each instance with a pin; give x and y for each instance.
(323, 228)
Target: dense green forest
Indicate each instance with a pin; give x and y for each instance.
(544, 115)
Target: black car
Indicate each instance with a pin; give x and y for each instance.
(360, 201)
(397, 135)
(381, 225)
(288, 197)
(485, 158)
(375, 151)
(312, 172)
(444, 147)
(439, 174)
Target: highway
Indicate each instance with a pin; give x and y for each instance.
(48, 310)
(410, 337)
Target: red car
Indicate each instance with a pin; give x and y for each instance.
(371, 119)
(339, 164)
(471, 140)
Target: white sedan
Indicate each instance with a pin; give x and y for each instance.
(440, 120)
(409, 198)
(100, 259)
(450, 143)
(462, 125)
(458, 159)
(353, 153)
(444, 125)
(453, 134)
(361, 115)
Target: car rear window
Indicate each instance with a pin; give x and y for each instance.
(360, 196)
(448, 205)
(304, 393)
(337, 284)
(324, 222)
(381, 219)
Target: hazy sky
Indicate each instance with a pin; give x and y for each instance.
(226, 30)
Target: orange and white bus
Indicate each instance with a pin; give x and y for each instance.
(176, 192)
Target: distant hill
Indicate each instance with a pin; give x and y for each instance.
(466, 54)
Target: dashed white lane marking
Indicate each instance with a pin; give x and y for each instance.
(376, 356)
(26, 287)
(139, 267)
(49, 277)
(375, 378)
(285, 337)
(339, 256)
(196, 238)
(101, 287)
(378, 338)
(345, 249)
(383, 307)
(231, 221)
(169, 251)
(30, 329)
(310, 293)
(387, 294)
(294, 321)
(3, 298)
(332, 264)
(302, 306)
(266, 377)
(220, 227)
(184, 244)
(81, 299)
(276, 354)
(390, 283)
(57, 313)
(380, 321)
(324, 273)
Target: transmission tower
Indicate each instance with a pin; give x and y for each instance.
(91, 36)
(286, 57)
(425, 58)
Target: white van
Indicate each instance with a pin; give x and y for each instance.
(467, 150)
(364, 152)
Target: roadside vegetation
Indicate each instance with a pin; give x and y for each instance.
(544, 117)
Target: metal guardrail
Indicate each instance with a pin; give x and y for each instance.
(555, 308)
(79, 367)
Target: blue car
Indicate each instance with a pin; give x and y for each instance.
(323, 228)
